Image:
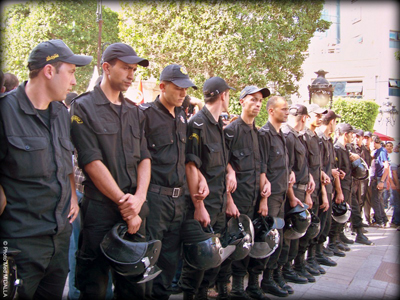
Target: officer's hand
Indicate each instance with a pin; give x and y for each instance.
(231, 208)
(74, 209)
(203, 190)
(266, 190)
(339, 198)
(201, 215)
(335, 173)
(325, 203)
(311, 185)
(295, 201)
(342, 174)
(134, 224)
(263, 209)
(308, 201)
(130, 206)
(292, 179)
(325, 178)
(354, 157)
(231, 182)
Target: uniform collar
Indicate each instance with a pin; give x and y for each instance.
(340, 145)
(272, 128)
(309, 131)
(26, 105)
(291, 129)
(210, 117)
(246, 127)
(321, 134)
(101, 98)
(159, 105)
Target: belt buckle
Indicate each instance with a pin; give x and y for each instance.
(175, 192)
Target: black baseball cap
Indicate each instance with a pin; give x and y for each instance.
(314, 108)
(298, 109)
(53, 51)
(344, 128)
(251, 89)
(124, 53)
(177, 75)
(214, 86)
(368, 134)
(330, 115)
(359, 132)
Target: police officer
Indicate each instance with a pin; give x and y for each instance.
(107, 131)
(36, 170)
(296, 194)
(366, 191)
(206, 152)
(244, 157)
(325, 132)
(275, 169)
(165, 130)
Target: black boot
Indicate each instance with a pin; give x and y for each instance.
(278, 278)
(238, 291)
(222, 288)
(291, 276)
(269, 285)
(300, 268)
(201, 294)
(333, 247)
(321, 258)
(327, 251)
(343, 238)
(361, 238)
(187, 296)
(342, 246)
(311, 262)
(253, 288)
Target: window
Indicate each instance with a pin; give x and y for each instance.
(394, 39)
(350, 89)
(394, 87)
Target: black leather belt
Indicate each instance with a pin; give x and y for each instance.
(173, 192)
(301, 187)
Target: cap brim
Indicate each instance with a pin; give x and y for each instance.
(320, 111)
(231, 88)
(78, 60)
(264, 92)
(134, 60)
(184, 83)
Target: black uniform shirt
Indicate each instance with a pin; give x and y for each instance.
(274, 157)
(166, 141)
(366, 155)
(328, 157)
(313, 145)
(35, 163)
(297, 153)
(342, 158)
(244, 156)
(206, 149)
(99, 132)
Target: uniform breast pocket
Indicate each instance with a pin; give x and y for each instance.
(102, 128)
(276, 158)
(29, 157)
(160, 148)
(66, 154)
(243, 160)
(214, 155)
(135, 138)
(313, 158)
(300, 157)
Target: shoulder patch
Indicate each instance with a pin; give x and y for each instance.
(194, 136)
(198, 124)
(79, 96)
(76, 119)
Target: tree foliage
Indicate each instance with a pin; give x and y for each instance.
(26, 25)
(245, 42)
(360, 114)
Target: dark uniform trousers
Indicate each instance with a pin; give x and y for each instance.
(276, 207)
(356, 219)
(43, 263)
(366, 195)
(163, 223)
(325, 221)
(92, 267)
(336, 227)
(377, 201)
(192, 279)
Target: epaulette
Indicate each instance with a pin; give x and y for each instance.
(77, 97)
(144, 106)
(263, 130)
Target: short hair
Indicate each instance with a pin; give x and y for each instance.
(112, 62)
(376, 139)
(326, 121)
(1, 79)
(271, 103)
(389, 143)
(10, 81)
(35, 72)
(214, 98)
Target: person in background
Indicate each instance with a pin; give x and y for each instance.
(2, 87)
(11, 82)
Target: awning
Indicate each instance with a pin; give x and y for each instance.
(383, 137)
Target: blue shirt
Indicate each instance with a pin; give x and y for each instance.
(380, 157)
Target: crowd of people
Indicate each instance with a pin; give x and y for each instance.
(80, 174)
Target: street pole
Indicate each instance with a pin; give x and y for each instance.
(100, 21)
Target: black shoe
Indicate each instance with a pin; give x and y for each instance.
(253, 288)
(327, 252)
(222, 288)
(201, 294)
(311, 261)
(176, 289)
(364, 225)
(335, 250)
(291, 276)
(343, 247)
(301, 270)
(362, 239)
(187, 296)
(269, 285)
(278, 278)
(343, 238)
(310, 269)
(238, 292)
(324, 260)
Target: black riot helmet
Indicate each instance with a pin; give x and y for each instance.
(130, 257)
(240, 232)
(297, 221)
(314, 227)
(266, 236)
(202, 250)
(359, 169)
(341, 212)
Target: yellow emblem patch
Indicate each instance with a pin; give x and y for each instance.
(183, 70)
(194, 135)
(336, 159)
(76, 119)
(52, 57)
